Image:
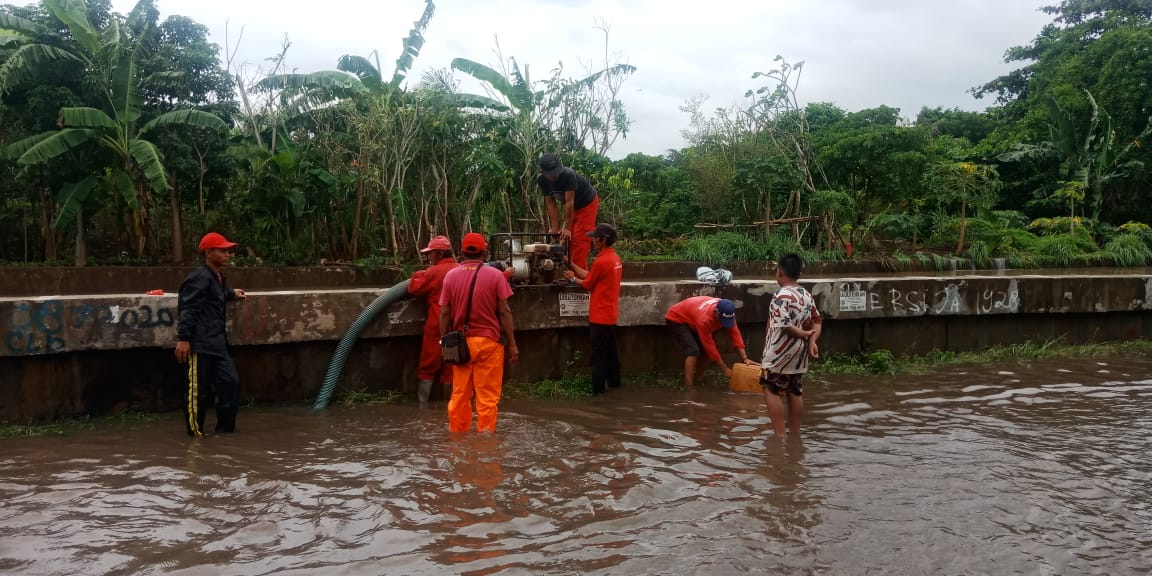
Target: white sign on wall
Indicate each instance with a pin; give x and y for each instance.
(853, 299)
(574, 304)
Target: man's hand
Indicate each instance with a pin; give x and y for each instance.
(183, 350)
(751, 362)
(565, 234)
(569, 275)
(727, 371)
(813, 349)
(240, 295)
(513, 353)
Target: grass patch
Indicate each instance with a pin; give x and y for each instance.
(364, 397)
(570, 385)
(658, 381)
(74, 424)
(884, 362)
(574, 385)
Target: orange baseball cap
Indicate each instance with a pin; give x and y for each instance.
(214, 240)
(438, 243)
(474, 243)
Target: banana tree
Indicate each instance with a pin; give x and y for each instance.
(110, 56)
(520, 107)
(354, 75)
(1087, 153)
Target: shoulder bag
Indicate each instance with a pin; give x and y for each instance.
(454, 344)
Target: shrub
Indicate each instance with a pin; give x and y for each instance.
(1128, 250)
(722, 249)
(1065, 249)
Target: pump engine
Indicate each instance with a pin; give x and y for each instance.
(532, 257)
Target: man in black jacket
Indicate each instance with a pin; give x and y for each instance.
(202, 341)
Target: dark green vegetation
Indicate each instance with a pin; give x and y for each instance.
(126, 137)
(64, 426)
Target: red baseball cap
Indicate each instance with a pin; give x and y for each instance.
(474, 243)
(214, 240)
(438, 243)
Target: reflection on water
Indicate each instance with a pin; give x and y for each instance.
(1040, 470)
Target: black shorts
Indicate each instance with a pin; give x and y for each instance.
(779, 384)
(686, 339)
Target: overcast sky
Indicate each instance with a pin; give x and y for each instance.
(857, 53)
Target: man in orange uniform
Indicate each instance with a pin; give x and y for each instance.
(692, 323)
(603, 281)
(476, 296)
(427, 284)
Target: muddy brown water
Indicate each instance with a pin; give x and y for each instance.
(1040, 469)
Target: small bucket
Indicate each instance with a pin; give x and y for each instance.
(745, 378)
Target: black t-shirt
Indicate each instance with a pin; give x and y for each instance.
(567, 180)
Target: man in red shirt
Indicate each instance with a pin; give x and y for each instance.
(603, 281)
(426, 284)
(475, 299)
(692, 323)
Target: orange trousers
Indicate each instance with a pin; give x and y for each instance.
(484, 375)
(584, 221)
(432, 366)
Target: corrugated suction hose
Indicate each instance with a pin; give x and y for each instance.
(336, 365)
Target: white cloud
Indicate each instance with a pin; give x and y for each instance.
(858, 53)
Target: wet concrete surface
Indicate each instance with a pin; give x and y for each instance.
(1011, 469)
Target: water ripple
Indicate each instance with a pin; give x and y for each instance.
(1028, 470)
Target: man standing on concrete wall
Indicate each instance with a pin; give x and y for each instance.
(692, 323)
(427, 284)
(202, 340)
(603, 281)
(476, 295)
(562, 185)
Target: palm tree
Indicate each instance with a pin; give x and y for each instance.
(110, 56)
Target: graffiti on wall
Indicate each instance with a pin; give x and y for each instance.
(39, 327)
(950, 298)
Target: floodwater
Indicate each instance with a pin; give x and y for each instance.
(1040, 469)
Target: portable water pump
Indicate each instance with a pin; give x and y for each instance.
(532, 256)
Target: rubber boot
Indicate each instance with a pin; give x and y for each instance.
(423, 391)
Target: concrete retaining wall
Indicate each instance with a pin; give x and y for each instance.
(74, 354)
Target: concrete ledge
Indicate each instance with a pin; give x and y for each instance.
(60, 324)
(66, 355)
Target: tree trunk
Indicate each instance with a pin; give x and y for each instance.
(963, 225)
(50, 250)
(394, 239)
(354, 245)
(768, 217)
(203, 171)
(466, 224)
(177, 226)
(81, 243)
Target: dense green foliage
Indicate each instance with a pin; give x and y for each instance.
(126, 137)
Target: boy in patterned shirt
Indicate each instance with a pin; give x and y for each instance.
(794, 326)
